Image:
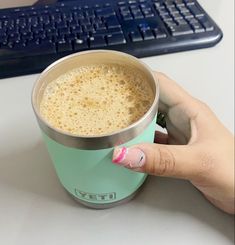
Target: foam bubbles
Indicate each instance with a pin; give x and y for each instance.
(96, 99)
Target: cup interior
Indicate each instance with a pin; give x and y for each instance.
(71, 62)
(94, 57)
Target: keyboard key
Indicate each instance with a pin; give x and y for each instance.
(121, 3)
(116, 39)
(56, 17)
(127, 16)
(85, 7)
(77, 15)
(76, 29)
(3, 41)
(73, 23)
(189, 2)
(61, 24)
(45, 19)
(4, 16)
(138, 15)
(26, 35)
(162, 12)
(115, 30)
(63, 31)
(17, 45)
(144, 26)
(135, 36)
(14, 36)
(89, 13)
(71, 37)
(100, 27)
(188, 15)
(147, 13)
(193, 21)
(197, 28)
(97, 42)
(24, 28)
(181, 22)
(32, 50)
(159, 33)
(85, 21)
(179, 2)
(134, 7)
(183, 9)
(3, 33)
(173, 10)
(21, 21)
(177, 16)
(41, 34)
(49, 26)
(148, 35)
(88, 28)
(196, 11)
(80, 44)
(181, 30)
(169, 3)
(112, 22)
(124, 9)
(107, 5)
(105, 12)
(145, 7)
(7, 23)
(166, 17)
(170, 23)
(63, 46)
(84, 35)
(33, 20)
(159, 6)
(99, 33)
(206, 24)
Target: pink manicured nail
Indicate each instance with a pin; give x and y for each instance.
(129, 157)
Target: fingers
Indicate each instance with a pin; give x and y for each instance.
(171, 94)
(181, 108)
(160, 137)
(161, 160)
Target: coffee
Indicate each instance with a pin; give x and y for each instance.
(96, 99)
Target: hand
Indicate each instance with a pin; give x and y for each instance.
(197, 147)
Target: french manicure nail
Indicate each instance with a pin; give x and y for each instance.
(129, 157)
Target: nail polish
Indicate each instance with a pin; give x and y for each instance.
(129, 157)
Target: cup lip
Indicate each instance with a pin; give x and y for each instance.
(131, 126)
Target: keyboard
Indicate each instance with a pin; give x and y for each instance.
(33, 37)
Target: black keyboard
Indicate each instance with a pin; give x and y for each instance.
(33, 37)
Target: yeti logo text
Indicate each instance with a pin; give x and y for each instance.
(96, 197)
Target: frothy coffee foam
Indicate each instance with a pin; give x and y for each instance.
(97, 99)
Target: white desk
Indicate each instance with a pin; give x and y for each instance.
(35, 210)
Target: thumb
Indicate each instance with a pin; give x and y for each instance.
(178, 161)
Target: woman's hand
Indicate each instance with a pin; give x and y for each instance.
(197, 147)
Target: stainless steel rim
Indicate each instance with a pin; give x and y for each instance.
(103, 141)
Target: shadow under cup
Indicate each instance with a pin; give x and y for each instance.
(84, 164)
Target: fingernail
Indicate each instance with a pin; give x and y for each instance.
(129, 157)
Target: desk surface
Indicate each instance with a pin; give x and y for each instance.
(34, 209)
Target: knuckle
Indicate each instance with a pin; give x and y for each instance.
(202, 105)
(161, 75)
(163, 162)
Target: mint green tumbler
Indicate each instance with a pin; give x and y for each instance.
(84, 164)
